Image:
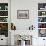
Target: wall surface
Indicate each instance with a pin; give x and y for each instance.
(32, 6)
(23, 24)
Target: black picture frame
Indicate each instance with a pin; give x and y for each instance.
(22, 14)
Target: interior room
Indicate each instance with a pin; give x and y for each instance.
(22, 22)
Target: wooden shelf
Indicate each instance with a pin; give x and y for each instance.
(3, 22)
(3, 10)
(41, 22)
(41, 28)
(3, 16)
(42, 16)
(42, 10)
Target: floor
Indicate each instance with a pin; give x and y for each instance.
(3, 45)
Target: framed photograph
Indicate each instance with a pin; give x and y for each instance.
(22, 14)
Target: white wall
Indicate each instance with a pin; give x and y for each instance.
(23, 24)
(32, 6)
